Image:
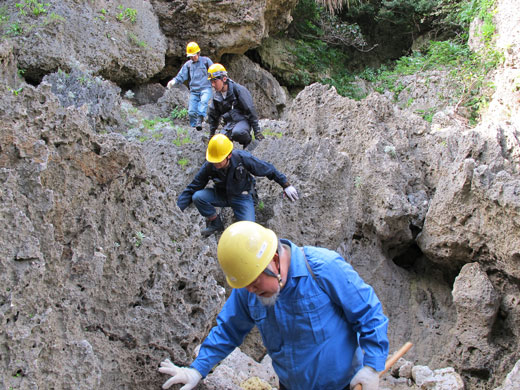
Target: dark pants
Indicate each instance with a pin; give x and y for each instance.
(239, 132)
(282, 387)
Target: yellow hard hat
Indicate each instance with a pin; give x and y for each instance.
(219, 147)
(244, 251)
(192, 49)
(216, 71)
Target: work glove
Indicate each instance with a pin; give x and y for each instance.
(291, 193)
(185, 375)
(171, 83)
(259, 136)
(366, 377)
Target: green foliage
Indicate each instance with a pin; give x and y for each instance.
(427, 115)
(179, 113)
(138, 239)
(4, 17)
(136, 41)
(126, 14)
(32, 7)
(260, 205)
(14, 29)
(15, 92)
(182, 137)
(183, 162)
(268, 132)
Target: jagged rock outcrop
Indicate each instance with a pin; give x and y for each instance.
(269, 97)
(103, 277)
(229, 26)
(122, 43)
(98, 280)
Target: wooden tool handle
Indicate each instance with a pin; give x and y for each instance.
(391, 361)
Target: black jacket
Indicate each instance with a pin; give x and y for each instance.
(233, 181)
(237, 106)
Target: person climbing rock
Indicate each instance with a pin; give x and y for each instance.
(323, 326)
(195, 71)
(232, 172)
(234, 104)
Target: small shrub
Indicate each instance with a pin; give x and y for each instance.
(182, 162)
(138, 239)
(32, 7)
(136, 41)
(179, 113)
(271, 133)
(126, 14)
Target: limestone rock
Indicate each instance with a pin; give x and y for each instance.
(269, 97)
(232, 27)
(122, 43)
(441, 379)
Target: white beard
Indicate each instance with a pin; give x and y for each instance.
(271, 300)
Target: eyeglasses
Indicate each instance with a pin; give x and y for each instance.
(267, 271)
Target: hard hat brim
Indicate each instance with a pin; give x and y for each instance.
(267, 258)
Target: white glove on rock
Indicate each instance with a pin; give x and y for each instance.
(366, 377)
(171, 83)
(291, 193)
(185, 375)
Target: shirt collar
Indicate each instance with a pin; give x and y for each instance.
(297, 268)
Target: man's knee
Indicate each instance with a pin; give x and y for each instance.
(241, 136)
(197, 197)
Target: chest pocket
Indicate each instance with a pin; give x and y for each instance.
(264, 321)
(240, 173)
(308, 317)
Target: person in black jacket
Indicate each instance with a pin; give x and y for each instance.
(234, 104)
(232, 172)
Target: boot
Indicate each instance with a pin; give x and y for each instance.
(198, 126)
(213, 227)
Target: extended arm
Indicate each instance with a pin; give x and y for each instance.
(198, 183)
(361, 307)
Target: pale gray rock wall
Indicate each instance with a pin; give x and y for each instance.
(90, 36)
(98, 281)
(269, 97)
(220, 27)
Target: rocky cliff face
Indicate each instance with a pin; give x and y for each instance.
(102, 277)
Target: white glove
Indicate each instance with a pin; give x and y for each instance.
(185, 375)
(366, 377)
(291, 193)
(171, 83)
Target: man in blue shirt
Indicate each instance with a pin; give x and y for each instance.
(195, 71)
(323, 327)
(232, 172)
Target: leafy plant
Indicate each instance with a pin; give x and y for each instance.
(14, 29)
(182, 162)
(126, 14)
(182, 137)
(4, 16)
(267, 132)
(136, 41)
(15, 92)
(138, 239)
(33, 7)
(179, 113)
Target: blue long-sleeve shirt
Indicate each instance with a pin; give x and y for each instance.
(196, 73)
(315, 330)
